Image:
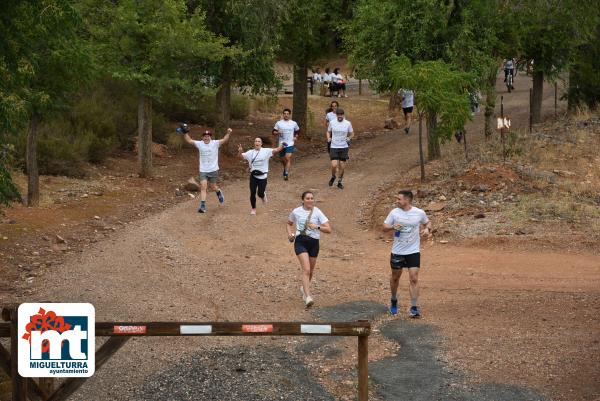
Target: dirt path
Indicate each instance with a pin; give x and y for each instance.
(504, 316)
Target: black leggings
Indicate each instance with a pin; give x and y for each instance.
(257, 184)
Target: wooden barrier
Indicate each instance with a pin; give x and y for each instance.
(119, 332)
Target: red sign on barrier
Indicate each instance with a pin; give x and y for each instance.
(257, 328)
(129, 330)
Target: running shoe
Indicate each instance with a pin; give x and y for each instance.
(302, 292)
(394, 307)
(221, 197)
(285, 176)
(309, 301)
(202, 208)
(331, 181)
(414, 311)
(340, 185)
(253, 212)
(264, 198)
(406, 130)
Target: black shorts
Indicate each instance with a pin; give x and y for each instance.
(407, 110)
(304, 243)
(338, 154)
(405, 261)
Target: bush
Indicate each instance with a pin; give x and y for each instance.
(8, 190)
(160, 128)
(199, 110)
(240, 106)
(266, 104)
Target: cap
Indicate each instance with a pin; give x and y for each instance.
(339, 111)
(207, 132)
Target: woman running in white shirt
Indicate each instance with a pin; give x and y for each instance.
(304, 227)
(258, 160)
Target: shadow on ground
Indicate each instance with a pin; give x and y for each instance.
(249, 374)
(416, 373)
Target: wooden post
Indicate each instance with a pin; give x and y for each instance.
(502, 129)
(359, 86)
(19, 384)
(555, 99)
(363, 368)
(530, 109)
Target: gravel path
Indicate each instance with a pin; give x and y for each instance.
(256, 374)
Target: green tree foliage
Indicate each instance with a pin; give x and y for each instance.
(307, 35)
(441, 96)
(41, 62)
(158, 47)
(252, 29)
(550, 32)
(584, 74)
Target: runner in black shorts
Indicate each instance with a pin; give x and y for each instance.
(339, 134)
(304, 228)
(405, 221)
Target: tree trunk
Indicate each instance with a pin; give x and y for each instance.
(33, 178)
(300, 98)
(490, 105)
(421, 155)
(538, 94)
(394, 104)
(433, 142)
(572, 93)
(223, 100)
(145, 135)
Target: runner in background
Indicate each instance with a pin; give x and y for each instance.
(258, 161)
(288, 131)
(408, 103)
(406, 221)
(208, 150)
(339, 134)
(304, 227)
(329, 117)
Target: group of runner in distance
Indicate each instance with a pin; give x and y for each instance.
(306, 222)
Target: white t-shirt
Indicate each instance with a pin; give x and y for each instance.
(407, 239)
(259, 160)
(286, 131)
(209, 155)
(317, 77)
(339, 133)
(330, 116)
(326, 77)
(337, 78)
(299, 216)
(408, 98)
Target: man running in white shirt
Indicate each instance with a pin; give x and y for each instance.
(288, 131)
(339, 134)
(406, 221)
(258, 160)
(208, 150)
(408, 102)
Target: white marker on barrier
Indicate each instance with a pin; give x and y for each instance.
(315, 328)
(196, 329)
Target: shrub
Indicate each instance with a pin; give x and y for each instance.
(8, 190)
(266, 103)
(240, 106)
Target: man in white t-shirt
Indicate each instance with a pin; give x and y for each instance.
(406, 221)
(287, 130)
(208, 150)
(339, 134)
(408, 102)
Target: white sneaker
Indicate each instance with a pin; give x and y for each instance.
(302, 292)
(264, 199)
(309, 301)
(253, 211)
